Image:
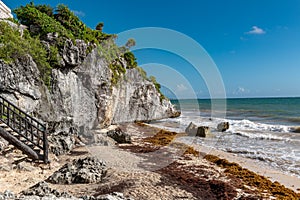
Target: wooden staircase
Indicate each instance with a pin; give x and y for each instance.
(23, 131)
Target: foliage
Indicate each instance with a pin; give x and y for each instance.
(117, 70)
(130, 43)
(70, 21)
(14, 47)
(130, 59)
(157, 86)
(47, 9)
(99, 26)
(40, 23)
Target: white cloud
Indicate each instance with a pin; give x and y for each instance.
(256, 31)
(181, 88)
(78, 13)
(241, 90)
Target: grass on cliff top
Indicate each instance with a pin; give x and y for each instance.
(252, 179)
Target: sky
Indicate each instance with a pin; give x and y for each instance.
(250, 47)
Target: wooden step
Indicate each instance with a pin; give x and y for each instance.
(2, 124)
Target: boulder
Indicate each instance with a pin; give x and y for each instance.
(202, 131)
(42, 189)
(61, 143)
(194, 130)
(119, 136)
(82, 170)
(223, 126)
(191, 130)
(296, 129)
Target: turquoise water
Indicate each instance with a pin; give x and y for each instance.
(260, 128)
(284, 111)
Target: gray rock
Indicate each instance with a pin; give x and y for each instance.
(5, 167)
(24, 166)
(113, 196)
(191, 130)
(203, 131)
(194, 130)
(61, 143)
(42, 189)
(8, 194)
(83, 170)
(3, 144)
(296, 129)
(119, 136)
(223, 126)
(103, 140)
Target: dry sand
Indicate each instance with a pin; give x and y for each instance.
(127, 172)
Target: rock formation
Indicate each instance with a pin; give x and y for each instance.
(81, 95)
(84, 170)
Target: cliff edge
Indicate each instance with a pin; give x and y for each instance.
(82, 88)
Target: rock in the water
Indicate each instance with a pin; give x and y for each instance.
(82, 170)
(223, 126)
(296, 129)
(194, 130)
(191, 130)
(203, 131)
(119, 136)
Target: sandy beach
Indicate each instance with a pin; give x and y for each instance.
(184, 176)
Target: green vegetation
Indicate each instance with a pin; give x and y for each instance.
(42, 20)
(130, 59)
(14, 47)
(157, 86)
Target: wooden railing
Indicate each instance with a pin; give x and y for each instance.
(29, 130)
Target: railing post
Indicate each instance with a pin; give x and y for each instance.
(45, 144)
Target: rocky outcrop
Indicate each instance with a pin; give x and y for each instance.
(42, 189)
(223, 126)
(82, 170)
(81, 96)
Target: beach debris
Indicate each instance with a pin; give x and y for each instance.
(199, 131)
(223, 126)
(82, 170)
(119, 136)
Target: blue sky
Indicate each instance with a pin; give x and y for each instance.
(255, 44)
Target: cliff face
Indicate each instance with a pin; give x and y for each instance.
(82, 95)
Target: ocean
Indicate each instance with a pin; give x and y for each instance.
(260, 128)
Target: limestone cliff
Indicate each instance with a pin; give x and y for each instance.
(82, 95)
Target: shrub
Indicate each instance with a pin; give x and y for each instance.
(42, 24)
(13, 47)
(130, 59)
